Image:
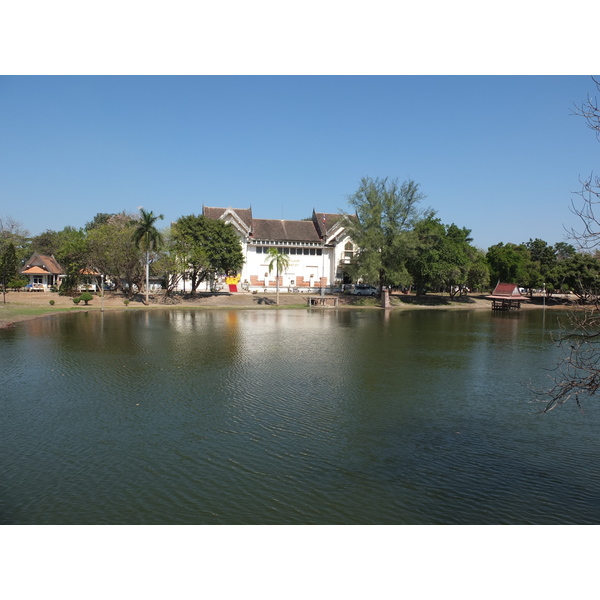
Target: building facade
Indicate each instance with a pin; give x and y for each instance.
(318, 249)
(43, 272)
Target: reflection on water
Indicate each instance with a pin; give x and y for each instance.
(182, 416)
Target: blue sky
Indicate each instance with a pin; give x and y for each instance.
(500, 155)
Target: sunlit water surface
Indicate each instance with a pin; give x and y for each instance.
(289, 417)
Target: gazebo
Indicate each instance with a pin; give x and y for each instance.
(506, 296)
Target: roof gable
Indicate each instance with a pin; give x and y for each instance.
(241, 216)
(48, 263)
(507, 290)
(313, 230)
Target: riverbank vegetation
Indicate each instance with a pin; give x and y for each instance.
(402, 247)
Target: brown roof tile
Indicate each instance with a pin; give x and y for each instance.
(285, 231)
(326, 221)
(280, 229)
(213, 212)
(48, 262)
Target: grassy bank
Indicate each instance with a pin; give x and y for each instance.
(21, 306)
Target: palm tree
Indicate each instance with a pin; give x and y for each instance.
(281, 262)
(148, 238)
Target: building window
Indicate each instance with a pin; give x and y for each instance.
(319, 251)
(349, 246)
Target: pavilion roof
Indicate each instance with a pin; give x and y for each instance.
(35, 271)
(507, 291)
(48, 264)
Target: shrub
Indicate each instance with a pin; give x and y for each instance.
(18, 281)
(86, 297)
(51, 302)
(126, 302)
(77, 300)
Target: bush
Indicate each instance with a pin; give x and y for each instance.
(125, 302)
(77, 300)
(17, 282)
(86, 297)
(51, 302)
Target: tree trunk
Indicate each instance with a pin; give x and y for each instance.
(147, 277)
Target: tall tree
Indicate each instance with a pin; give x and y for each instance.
(72, 255)
(99, 219)
(47, 243)
(281, 262)
(171, 263)
(113, 253)
(442, 256)
(385, 212)
(507, 262)
(582, 276)
(148, 238)
(206, 248)
(9, 266)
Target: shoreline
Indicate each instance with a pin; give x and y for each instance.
(24, 306)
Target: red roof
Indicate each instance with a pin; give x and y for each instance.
(507, 291)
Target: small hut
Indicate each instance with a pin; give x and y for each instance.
(506, 296)
(43, 272)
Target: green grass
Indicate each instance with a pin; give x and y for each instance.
(10, 311)
(364, 301)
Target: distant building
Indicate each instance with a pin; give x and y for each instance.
(318, 249)
(43, 271)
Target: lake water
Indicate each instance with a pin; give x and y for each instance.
(290, 417)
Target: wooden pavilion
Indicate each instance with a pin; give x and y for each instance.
(506, 296)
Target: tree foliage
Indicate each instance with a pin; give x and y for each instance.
(205, 248)
(47, 243)
(385, 213)
(72, 255)
(443, 258)
(113, 253)
(9, 265)
(507, 262)
(11, 231)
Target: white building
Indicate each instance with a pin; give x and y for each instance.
(318, 249)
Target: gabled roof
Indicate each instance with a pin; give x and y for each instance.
(313, 230)
(284, 231)
(508, 291)
(243, 214)
(47, 263)
(325, 222)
